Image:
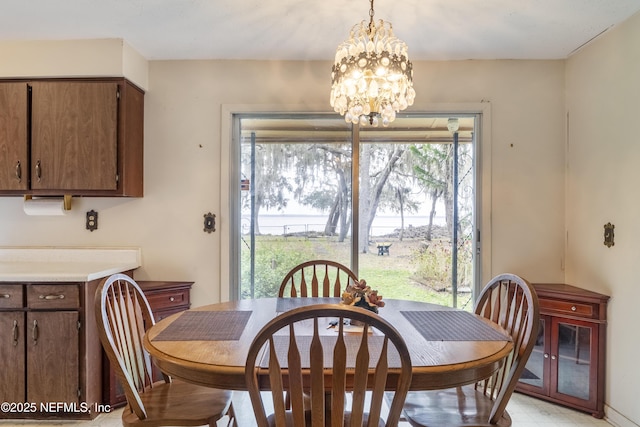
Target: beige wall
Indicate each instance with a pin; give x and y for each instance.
(603, 176)
(183, 147)
(73, 58)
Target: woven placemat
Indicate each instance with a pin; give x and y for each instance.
(206, 326)
(286, 304)
(352, 343)
(452, 325)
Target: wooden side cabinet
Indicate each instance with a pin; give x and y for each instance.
(165, 299)
(49, 354)
(567, 364)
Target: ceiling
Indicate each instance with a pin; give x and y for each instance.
(306, 30)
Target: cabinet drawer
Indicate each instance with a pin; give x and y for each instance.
(567, 307)
(168, 299)
(11, 296)
(53, 296)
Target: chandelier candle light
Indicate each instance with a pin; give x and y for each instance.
(372, 76)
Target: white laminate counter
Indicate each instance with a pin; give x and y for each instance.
(65, 264)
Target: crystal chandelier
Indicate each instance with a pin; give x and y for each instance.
(372, 76)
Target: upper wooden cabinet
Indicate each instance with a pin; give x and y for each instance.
(81, 137)
(14, 123)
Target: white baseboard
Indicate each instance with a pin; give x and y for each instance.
(617, 419)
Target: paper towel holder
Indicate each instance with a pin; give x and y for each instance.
(66, 200)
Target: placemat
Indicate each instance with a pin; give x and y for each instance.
(206, 326)
(451, 325)
(286, 304)
(352, 343)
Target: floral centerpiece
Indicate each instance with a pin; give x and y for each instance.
(361, 295)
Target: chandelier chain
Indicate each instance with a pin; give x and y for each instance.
(371, 13)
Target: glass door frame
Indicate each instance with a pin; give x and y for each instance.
(229, 188)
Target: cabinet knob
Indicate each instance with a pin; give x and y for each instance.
(553, 357)
(172, 299)
(5, 296)
(34, 332)
(15, 333)
(573, 308)
(546, 355)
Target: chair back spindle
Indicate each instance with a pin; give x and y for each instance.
(123, 314)
(316, 278)
(511, 302)
(363, 369)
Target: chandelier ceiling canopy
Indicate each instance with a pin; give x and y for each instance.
(372, 77)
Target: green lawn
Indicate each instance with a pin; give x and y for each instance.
(410, 271)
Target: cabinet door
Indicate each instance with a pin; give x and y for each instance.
(574, 361)
(535, 377)
(14, 166)
(74, 135)
(52, 356)
(12, 356)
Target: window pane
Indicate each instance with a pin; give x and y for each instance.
(406, 210)
(296, 203)
(295, 185)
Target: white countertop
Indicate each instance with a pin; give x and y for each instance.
(53, 264)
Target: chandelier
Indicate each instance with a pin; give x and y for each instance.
(372, 76)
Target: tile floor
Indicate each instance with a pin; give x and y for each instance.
(525, 411)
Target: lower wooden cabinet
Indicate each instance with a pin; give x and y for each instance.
(567, 364)
(49, 355)
(165, 298)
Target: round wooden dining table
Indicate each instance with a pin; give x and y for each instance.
(208, 345)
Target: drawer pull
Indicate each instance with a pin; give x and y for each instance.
(50, 297)
(573, 308)
(5, 296)
(172, 299)
(34, 332)
(15, 333)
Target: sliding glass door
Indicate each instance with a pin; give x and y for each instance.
(382, 201)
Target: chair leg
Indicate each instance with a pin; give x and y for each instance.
(231, 420)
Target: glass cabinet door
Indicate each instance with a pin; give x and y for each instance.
(572, 357)
(534, 372)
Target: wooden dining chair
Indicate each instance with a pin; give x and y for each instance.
(323, 367)
(511, 302)
(316, 278)
(122, 315)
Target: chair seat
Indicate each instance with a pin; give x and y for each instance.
(455, 407)
(181, 404)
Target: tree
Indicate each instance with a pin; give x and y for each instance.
(433, 170)
(337, 159)
(377, 161)
(399, 193)
(269, 186)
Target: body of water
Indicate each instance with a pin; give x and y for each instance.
(286, 224)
